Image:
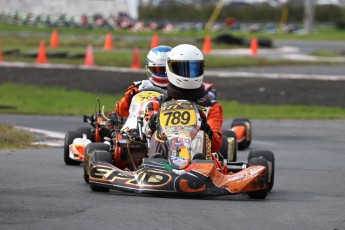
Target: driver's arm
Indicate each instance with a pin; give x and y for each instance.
(215, 121)
(122, 106)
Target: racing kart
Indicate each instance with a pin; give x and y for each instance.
(76, 140)
(189, 167)
(130, 136)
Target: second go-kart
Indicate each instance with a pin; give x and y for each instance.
(76, 140)
(130, 137)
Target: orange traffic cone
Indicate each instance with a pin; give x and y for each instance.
(54, 39)
(136, 59)
(108, 43)
(207, 47)
(42, 55)
(254, 46)
(89, 60)
(154, 41)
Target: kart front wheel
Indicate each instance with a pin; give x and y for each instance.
(259, 194)
(69, 137)
(101, 156)
(269, 156)
(87, 154)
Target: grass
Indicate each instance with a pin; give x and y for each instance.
(74, 41)
(327, 53)
(11, 138)
(123, 58)
(19, 99)
(236, 109)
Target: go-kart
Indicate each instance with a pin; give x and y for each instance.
(130, 137)
(76, 140)
(188, 168)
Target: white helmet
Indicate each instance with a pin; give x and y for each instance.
(185, 67)
(155, 65)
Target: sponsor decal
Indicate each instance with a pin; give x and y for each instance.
(179, 161)
(246, 174)
(201, 107)
(201, 100)
(150, 179)
(184, 140)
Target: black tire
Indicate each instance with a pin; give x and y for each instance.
(248, 125)
(88, 150)
(69, 137)
(87, 132)
(259, 194)
(101, 156)
(229, 136)
(269, 156)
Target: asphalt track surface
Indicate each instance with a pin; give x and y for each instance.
(38, 191)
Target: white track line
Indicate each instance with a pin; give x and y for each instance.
(58, 138)
(47, 133)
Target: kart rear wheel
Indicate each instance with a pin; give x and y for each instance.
(229, 146)
(87, 132)
(259, 194)
(101, 156)
(69, 137)
(248, 126)
(88, 150)
(269, 156)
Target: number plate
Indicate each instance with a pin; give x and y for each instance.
(145, 96)
(177, 113)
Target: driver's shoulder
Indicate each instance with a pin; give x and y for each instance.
(206, 102)
(143, 84)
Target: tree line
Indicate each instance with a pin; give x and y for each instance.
(257, 12)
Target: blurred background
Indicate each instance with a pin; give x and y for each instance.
(269, 16)
(279, 52)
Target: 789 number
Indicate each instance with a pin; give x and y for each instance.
(177, 117)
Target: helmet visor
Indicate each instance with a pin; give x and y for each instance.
(188, 69)
(159, 70)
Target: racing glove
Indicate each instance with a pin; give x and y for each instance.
(153, 122)
(207, 129)
(129, 95)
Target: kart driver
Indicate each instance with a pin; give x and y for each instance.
(185, 71)
(156, 72)
(155, 68)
